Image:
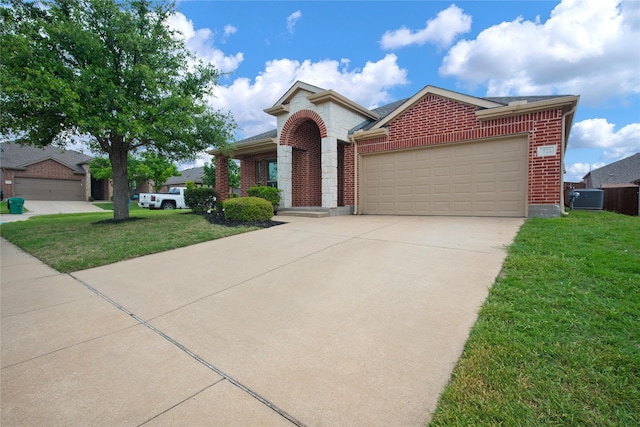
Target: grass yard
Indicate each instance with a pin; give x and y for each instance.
(79, 241)
(108, 206)
(558, 340)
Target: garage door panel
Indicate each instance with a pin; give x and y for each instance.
(481, 178)
(48, 189)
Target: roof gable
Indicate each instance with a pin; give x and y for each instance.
(432, 90)
(281, 105)
(318, 96)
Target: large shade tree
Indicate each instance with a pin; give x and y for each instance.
(110, 69)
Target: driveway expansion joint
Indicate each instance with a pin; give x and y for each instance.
(194, 356)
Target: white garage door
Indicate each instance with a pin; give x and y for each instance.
(485, 178)
(48, 189)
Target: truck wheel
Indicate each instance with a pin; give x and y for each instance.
(168, 205)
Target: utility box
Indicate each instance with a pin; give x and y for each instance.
(589, 198)
(15, 205)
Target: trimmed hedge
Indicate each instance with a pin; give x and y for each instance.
(247, 209)
(271, 194)
(200, 199)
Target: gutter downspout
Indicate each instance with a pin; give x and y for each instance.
(355, 174)
(562, 150)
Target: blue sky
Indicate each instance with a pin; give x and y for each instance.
(376, 52)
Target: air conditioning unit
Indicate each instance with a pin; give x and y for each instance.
(589, 198)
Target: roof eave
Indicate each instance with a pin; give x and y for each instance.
(363, 135)
(277, 110)
(254, 147)
(528, 107)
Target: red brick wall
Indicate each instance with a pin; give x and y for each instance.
(436, 120)
(248, 170)
(349, 184)
(307, 167)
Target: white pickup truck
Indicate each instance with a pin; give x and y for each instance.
(174, 199)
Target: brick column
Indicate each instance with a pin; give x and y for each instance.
(222, 177)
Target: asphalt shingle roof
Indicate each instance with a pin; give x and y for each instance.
(505, 100)
(16, 156)
(623, 171)
(387, 109)
(193, 174)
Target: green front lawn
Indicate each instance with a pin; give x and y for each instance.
(558, 340)
(78, 241)
(108, 206)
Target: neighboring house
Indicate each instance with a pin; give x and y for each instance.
(48, 173)
(194, 175)
(619, 181)
(437, 153)
(625, 171)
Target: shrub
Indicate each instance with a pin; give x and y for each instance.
(190, 185)
(200, 199)
(247, 209)
(271, 194)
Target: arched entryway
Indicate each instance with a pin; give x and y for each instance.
(306, 167)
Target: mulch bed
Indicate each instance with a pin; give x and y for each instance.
(219, 219)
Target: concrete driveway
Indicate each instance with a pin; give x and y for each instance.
(48, 207)
(334, 321)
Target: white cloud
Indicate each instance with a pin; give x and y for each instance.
(600, 134)
(367, 86)
(588, 48)
(292, 20)
(576, 171)
(441, 30)
(229, 30)
(201, 43)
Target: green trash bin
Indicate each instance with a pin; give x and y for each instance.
(15, 205)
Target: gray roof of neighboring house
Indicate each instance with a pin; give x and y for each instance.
(623, 171)
(194, 175)
(16, 156)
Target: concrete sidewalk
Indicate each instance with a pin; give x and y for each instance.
(334, 321)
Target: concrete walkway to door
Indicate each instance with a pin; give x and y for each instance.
(334, 321)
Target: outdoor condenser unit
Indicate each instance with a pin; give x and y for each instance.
(590, 198)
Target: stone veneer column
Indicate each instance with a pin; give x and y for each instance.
(329, 172)
(285, 162)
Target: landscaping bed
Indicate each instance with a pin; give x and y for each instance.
(219, 219)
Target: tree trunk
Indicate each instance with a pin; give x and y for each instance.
(118, 157)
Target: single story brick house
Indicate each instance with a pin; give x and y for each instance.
(437, 153)
(48, 173)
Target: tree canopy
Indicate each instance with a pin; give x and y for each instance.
(209, 174)
(147, 166)
(110, 69)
